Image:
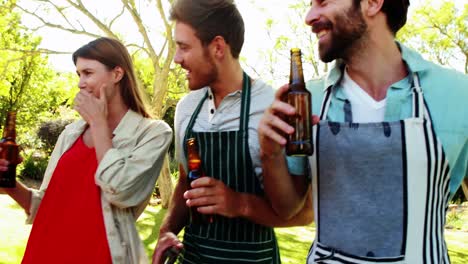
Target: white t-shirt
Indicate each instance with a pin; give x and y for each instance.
(363, 107)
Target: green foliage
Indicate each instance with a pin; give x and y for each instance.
(439, 30)
(286, 32)
(27, 84)
(34, 167)
(49, 132)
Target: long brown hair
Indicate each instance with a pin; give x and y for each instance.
(112, 53)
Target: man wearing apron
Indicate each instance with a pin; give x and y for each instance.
(391, 143)
(222, 112)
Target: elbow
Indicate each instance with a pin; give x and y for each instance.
(306, 218)
(284, 212)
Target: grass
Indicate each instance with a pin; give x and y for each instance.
(294, 242)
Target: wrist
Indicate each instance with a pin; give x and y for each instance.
(163, 230)
(244, 206)
(275, 156)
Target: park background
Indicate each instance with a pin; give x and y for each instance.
(38, 80)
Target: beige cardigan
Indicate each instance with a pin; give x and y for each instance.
(126, 175)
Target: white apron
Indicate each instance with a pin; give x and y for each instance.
(380, 189)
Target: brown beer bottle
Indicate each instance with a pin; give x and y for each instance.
(195, 172)
(299, 143)
(9, 152)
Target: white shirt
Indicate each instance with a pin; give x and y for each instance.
(225, 118)
(363, 107)
(126, 176)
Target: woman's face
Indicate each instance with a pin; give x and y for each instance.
(93, 75)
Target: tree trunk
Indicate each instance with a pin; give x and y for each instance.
(165, 183)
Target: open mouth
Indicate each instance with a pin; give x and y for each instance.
(322, 33)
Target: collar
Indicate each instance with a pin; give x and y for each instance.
(413, 60)
(125, 129)
(237, 92)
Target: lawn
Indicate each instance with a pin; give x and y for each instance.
(294, 242)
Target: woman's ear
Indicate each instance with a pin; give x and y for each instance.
(118, 73)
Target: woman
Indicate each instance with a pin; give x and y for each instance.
(102, 171)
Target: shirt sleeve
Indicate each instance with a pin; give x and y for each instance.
(297, 165)
(127, 175)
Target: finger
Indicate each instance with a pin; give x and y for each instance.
(210, 209)
(102, 94)
(204, 181)
(315, 119)
(281, 92)
(272, 134)
(202, 201)
(4, 165)
(198, 192)
(280, 107)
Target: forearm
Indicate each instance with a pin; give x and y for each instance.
(177, 215)
(102, 138)
(286, 198)
(258, 210)
(21, 194)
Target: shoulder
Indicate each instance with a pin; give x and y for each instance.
(192, 98)
(441, 78)
(444, 88)
(135, 125)
(262, 96)
(189, 102)
(157, 125)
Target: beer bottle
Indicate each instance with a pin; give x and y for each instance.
(9, 152)
(195, 172)
(299, 143)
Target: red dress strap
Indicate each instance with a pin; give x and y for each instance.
(69, 225)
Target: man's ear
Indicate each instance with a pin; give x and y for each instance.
(218, 47)
(372, 7)
(118, 73)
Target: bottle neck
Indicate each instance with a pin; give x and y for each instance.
(296, 76)
(9, 132)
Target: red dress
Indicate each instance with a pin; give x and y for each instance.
(69, 225)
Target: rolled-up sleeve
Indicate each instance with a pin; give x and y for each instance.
(128, 172)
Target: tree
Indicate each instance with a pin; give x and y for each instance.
(288, 32)
(439, 30)
(83, 18)
(27, 84)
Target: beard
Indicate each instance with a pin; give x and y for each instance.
(204, 74)
(347, 32)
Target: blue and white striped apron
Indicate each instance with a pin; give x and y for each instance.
(380, 189)
(226, 157)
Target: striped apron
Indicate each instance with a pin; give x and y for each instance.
(380, 189)
(226, 157)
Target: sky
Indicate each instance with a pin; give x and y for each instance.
(254, 12)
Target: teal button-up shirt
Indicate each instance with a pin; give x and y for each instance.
(446, 94)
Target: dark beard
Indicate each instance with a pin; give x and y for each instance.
(348, 30)
(207, 78)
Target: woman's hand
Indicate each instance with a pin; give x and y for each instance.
(91, 108)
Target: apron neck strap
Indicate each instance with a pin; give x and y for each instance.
(245, 103)
(418, 99)
(245, 107)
